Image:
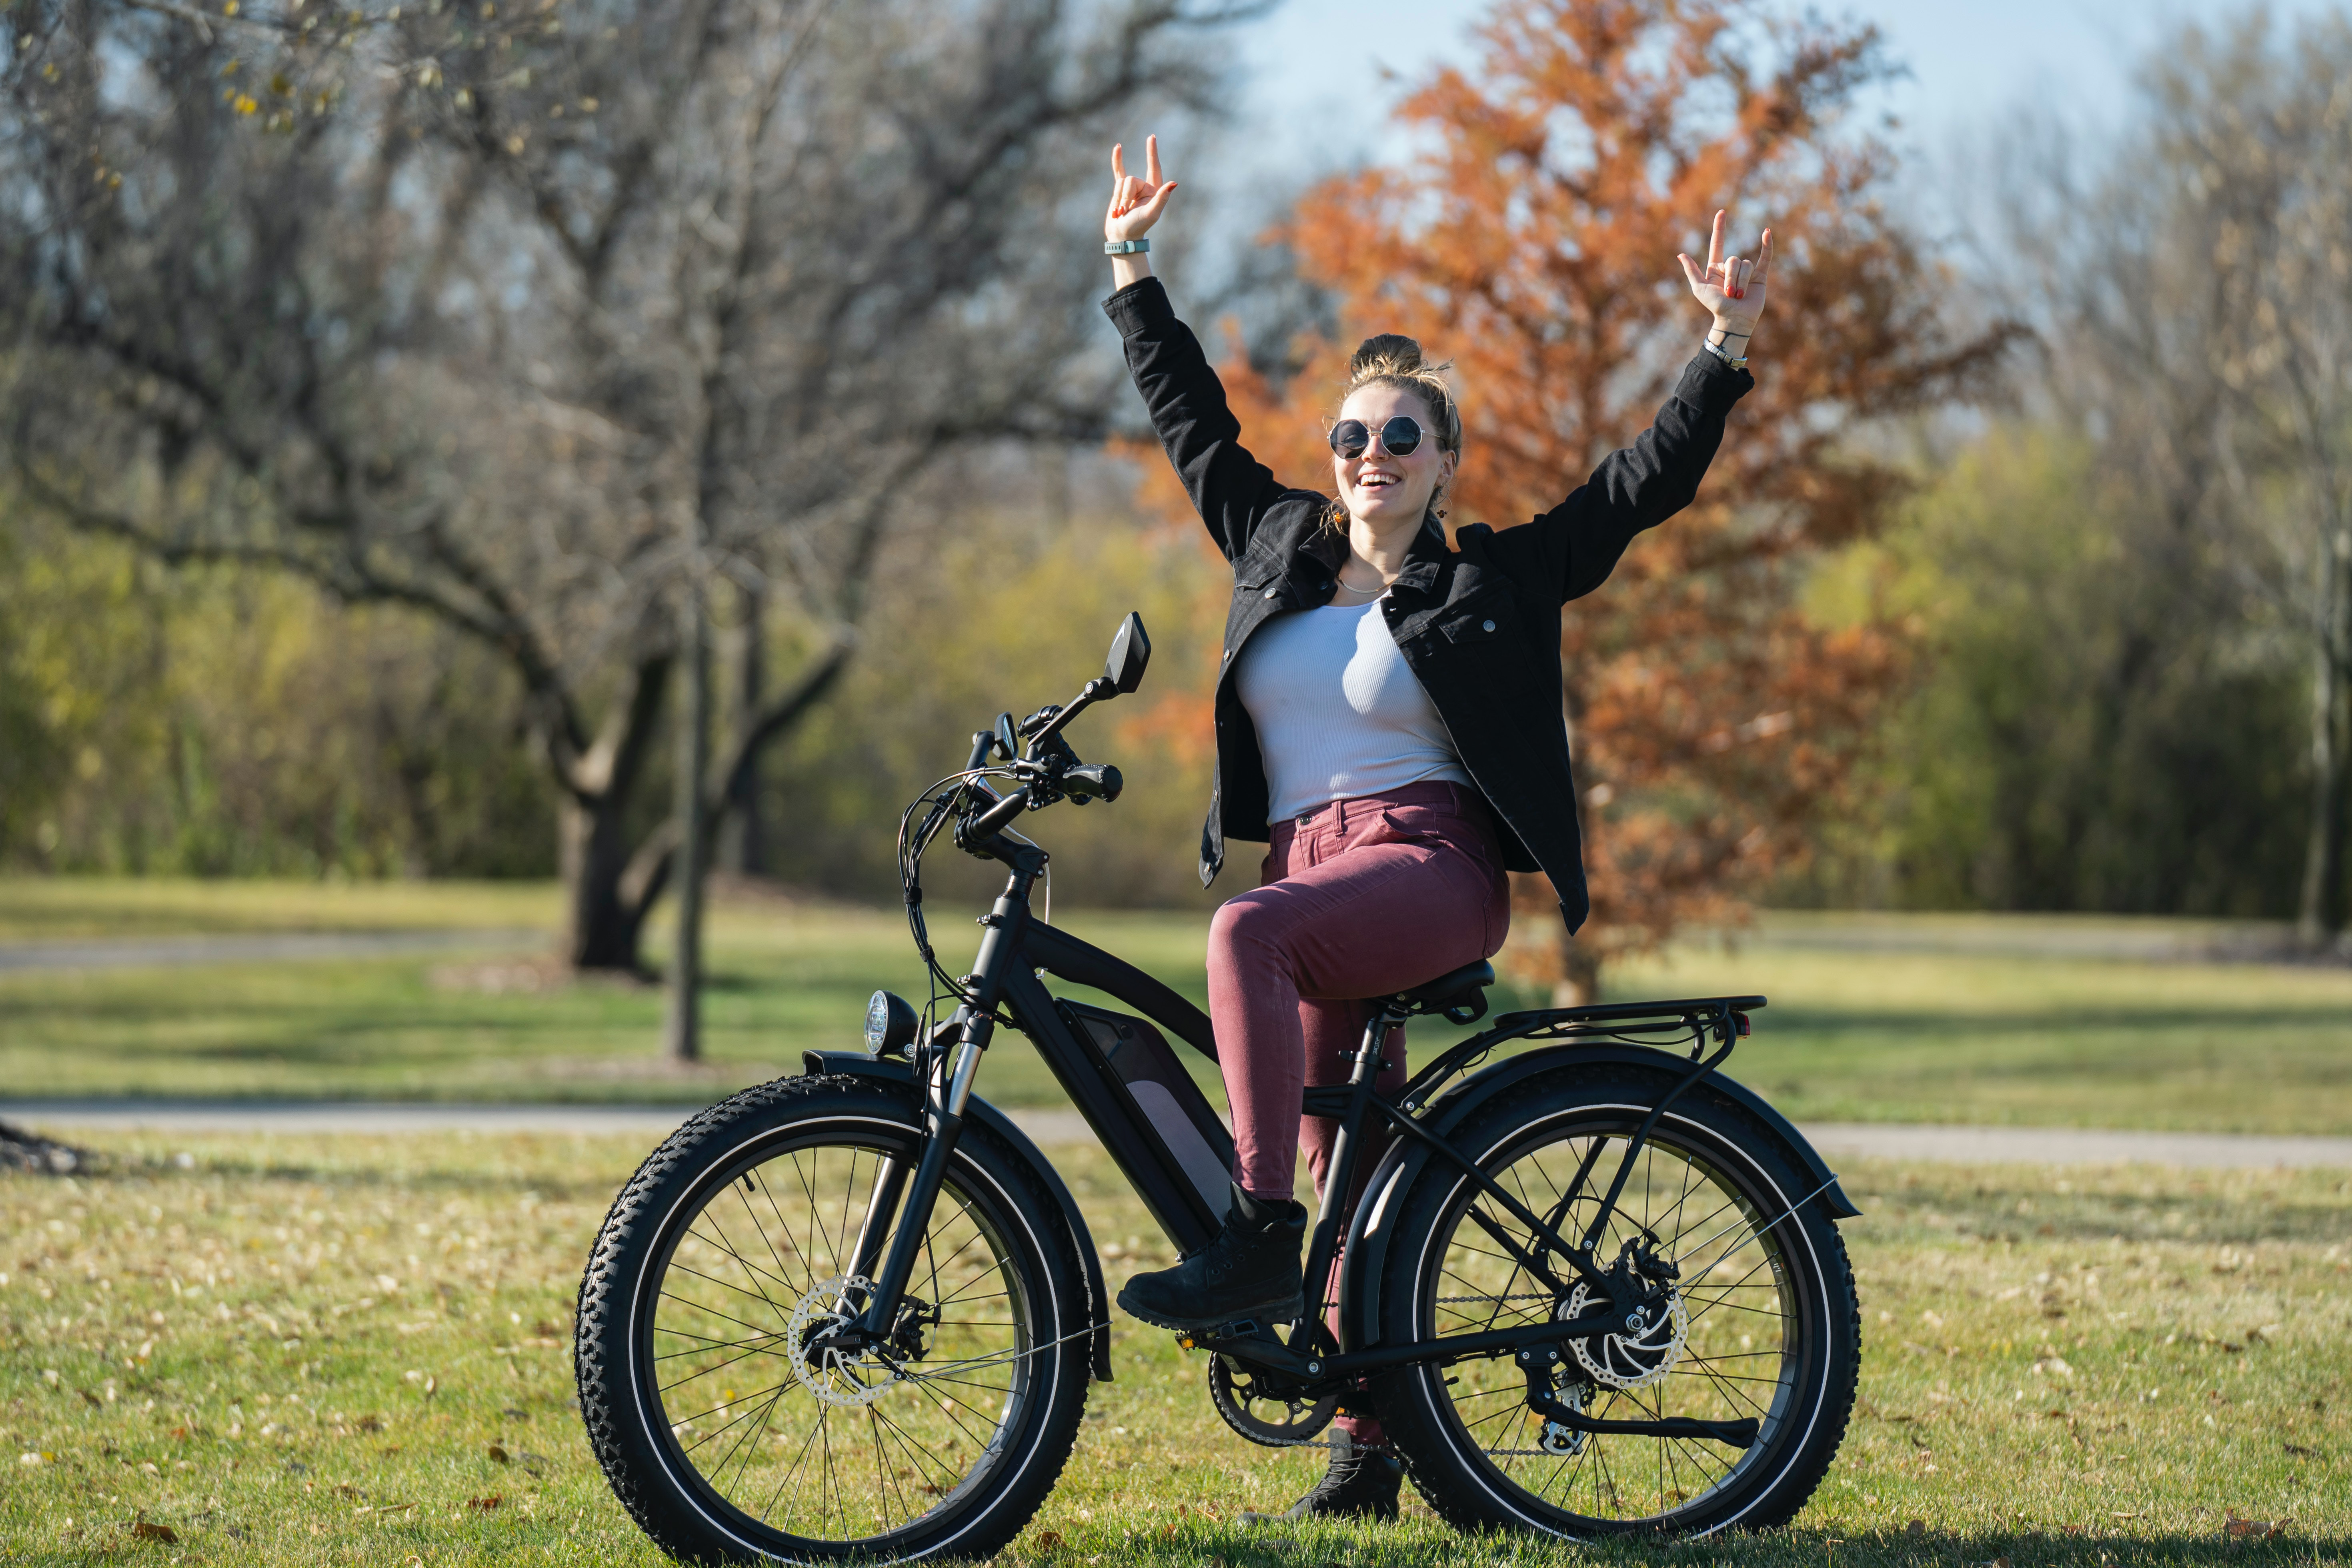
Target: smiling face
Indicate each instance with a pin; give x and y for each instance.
(1379, 487)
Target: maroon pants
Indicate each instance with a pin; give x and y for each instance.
(1360, 899)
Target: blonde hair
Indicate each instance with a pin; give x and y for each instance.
(1391, 359)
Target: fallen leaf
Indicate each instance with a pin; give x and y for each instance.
(498, 1455)
(484, 1504)
(2258, 1529)
(145, 1530)
(347, 1490)
(1048, 1540)
(1916, 1526)
(371, 1423)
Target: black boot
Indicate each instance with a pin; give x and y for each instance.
(1249, 1270)
(1362, 1483)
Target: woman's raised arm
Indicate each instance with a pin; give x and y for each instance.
(1577, 544)
(1230, 488)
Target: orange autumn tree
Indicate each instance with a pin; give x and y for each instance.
(1533, 243)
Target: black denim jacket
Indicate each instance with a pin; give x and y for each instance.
(1478, 623)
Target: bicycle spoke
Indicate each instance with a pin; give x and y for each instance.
(850, 1446)
(1714, 1369)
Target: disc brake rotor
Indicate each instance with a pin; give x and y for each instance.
(1645, 1353)
(831, 1376)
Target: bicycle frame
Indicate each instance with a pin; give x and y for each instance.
(1004, 986)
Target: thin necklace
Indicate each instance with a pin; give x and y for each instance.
(1383, 588)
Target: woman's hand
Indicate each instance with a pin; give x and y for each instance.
(1136, 204)
(1732, 290)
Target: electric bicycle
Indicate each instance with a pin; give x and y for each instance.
(1593, 1286)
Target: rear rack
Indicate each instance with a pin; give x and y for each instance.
(1692, 1022)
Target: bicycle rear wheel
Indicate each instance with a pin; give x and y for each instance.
(724, 1420)
(1761, 1324)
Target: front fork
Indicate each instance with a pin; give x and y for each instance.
(900, 1205)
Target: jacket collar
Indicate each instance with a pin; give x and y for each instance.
(1423, 557)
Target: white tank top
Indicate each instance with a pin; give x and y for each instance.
(1340, 714)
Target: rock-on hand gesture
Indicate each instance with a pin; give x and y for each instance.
(1730, 288)
(1136, 204)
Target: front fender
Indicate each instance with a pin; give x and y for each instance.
(857, 1064)
(1366, 1256)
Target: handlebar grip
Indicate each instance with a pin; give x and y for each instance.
(1093, 781)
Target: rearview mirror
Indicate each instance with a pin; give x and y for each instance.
(1131, 650)
(1008, 737)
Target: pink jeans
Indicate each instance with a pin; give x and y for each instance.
(1360, 899)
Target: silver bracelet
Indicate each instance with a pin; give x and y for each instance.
(1723, 352)
(1126, 246)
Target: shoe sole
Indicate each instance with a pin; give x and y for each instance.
(1282, 1309)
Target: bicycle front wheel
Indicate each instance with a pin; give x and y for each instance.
(728, 1420)
(1758, 1320)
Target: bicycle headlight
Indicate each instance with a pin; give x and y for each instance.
(889, 1024)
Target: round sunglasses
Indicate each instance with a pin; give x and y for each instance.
(1351, 438)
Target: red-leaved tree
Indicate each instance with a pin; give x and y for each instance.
(1533, 243)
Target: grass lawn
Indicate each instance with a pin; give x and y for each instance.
(299, 1351)
(36, 909)
(1967, 1032)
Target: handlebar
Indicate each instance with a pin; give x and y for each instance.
(985, 825)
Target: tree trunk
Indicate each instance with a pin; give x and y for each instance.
(608, 889)
(2322, 910)
(682, 1030)
(602, 923)
(1580, 974)
(742, 831)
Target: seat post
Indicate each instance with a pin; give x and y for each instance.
(1385, 1017)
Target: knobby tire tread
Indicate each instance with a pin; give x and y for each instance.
(1417, 1432)
(607, 1286)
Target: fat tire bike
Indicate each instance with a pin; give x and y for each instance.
(1593, 1287)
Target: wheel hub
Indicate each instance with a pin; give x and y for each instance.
(1641, 1355)
(833, 1374)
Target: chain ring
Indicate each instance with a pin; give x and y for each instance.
(1636, 1360)
(834, 1379)
(1233, 1396)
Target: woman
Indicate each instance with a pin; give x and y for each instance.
(1388, 721)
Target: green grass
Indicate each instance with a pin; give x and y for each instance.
(300, 1350)
(50, 907)
(1968, 1034)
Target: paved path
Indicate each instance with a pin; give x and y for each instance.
(1987, 1145)
(154, 952)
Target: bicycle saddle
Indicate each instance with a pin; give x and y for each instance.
(1459, 995)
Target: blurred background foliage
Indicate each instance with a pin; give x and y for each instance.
(222, 721)
(2090, 727)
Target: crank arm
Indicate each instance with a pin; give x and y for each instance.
(1732, 1433)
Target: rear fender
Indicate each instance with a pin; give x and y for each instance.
(857, 1064)
(1373, 1225)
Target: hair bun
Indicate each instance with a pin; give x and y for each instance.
(1389, 354)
